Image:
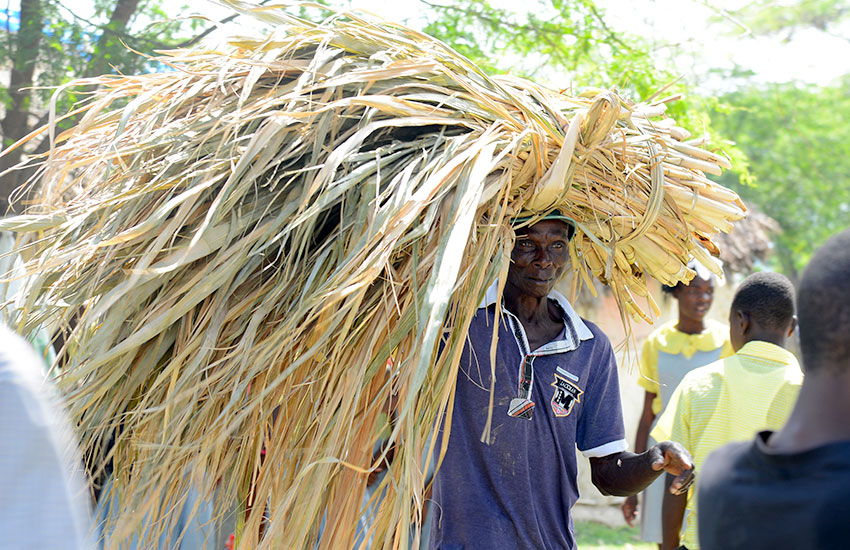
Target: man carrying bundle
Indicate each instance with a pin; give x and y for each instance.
(555, 388)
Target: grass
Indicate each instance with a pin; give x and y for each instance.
(596, 536)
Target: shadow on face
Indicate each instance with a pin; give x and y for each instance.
(539, 258)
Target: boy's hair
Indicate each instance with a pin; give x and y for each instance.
(768, 298)
(824, 299)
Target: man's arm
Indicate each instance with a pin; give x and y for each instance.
(624, 473)
(630, 505)
(672, 514)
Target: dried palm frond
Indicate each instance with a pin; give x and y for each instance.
(244, 243)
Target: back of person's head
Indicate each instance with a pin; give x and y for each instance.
(824, 307)
(768, 299)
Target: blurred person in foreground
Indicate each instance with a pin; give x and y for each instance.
(732, 399)
(670, 352)
(788, 489)
(555, 389)
(44, 502)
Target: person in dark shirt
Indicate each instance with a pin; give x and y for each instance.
(555, 389)
(788, 489)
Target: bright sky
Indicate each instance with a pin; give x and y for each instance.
(811, 56)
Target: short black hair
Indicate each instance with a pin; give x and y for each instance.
(824, 300)
(667, 289)
(768, 298)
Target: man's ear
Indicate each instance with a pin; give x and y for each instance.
(792, 326)
(743, 320)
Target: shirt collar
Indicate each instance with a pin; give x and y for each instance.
(582, 330)
(766, 350)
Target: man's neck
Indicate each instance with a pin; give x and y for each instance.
(527, 308)
(819, 416)
(537, 316)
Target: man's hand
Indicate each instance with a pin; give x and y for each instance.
(675, 460)
(630, 509)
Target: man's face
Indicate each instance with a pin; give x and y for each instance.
(539, 258)
(695, 299)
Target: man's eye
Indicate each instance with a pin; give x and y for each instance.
(559, 244)
(525, 243)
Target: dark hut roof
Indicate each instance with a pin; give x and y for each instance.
(749, 241)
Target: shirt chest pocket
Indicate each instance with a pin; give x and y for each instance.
(565, 393)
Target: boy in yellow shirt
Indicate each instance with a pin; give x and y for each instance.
(668, 354)
(732, 399)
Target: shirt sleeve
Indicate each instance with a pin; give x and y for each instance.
(600, 429)
(648, 372)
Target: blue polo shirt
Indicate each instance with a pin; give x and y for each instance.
(517, 491)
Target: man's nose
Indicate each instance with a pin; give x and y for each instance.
(543, 257)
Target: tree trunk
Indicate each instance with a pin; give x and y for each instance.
(15, 124)
(110, 38)
(19, 120)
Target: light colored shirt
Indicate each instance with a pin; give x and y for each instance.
(668, 354)
(729, 400)
(44, 502)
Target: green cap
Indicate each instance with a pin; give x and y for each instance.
(553, 215)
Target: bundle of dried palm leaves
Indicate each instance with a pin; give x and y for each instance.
(246, 240)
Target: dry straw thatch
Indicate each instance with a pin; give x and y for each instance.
(246, 240)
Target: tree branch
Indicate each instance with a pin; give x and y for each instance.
(127, 37)
(610, 32)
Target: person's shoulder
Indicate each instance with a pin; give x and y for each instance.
(594, 328)
(483, 316)
(600, 339)
(662, 331)
(704, 378)
(19, 364)
(730, 454)
(724, 464)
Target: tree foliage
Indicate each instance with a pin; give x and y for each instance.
(555, 40)
(797, 143)
(570, 41)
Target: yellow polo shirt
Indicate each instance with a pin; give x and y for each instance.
(729, 400)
